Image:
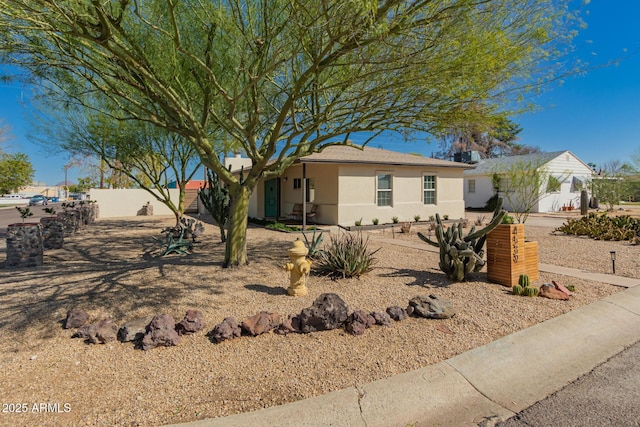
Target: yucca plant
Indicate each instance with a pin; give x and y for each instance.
(347, 255)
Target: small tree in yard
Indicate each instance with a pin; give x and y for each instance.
(523, 184)
(284, 79)
(612, 184)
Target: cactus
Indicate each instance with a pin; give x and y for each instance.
(530, 291)
(523, 280)
(517, 290)
(461, 255)
(216, 200)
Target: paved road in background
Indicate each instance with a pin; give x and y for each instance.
(10, 215)
(609, 395)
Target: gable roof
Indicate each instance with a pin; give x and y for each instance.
(489, 166)
(375, 156)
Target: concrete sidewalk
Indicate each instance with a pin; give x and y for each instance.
(482, 386)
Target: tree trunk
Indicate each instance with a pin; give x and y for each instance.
(235, 253)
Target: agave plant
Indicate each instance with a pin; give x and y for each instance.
(346, 256)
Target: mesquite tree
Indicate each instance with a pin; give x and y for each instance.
(282, 79)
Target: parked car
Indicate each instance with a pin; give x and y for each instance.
(38, 200)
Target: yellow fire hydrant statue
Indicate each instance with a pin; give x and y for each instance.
(299, 267)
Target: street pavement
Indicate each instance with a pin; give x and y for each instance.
(609, 395)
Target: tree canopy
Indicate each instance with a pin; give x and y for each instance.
(281, 79)
(16, 171)
(496, 138)
(137, 153)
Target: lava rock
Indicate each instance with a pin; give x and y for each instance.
(100, 332)
(160, 332)
(191, 323)
(327, 312)
(382, 319)
(397, 313)
(289, 325)
(76, 318)
(133, 330)
(226, 330)
(549, 291)
(432, 307)
(260, 323)
(358, 321)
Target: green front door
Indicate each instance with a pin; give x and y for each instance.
(271, 198)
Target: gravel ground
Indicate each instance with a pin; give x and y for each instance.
(108, 271)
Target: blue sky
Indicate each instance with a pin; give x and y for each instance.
(596, 115)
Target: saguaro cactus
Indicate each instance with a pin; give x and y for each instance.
(461, 255)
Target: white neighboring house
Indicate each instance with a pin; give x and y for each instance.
(572, 174)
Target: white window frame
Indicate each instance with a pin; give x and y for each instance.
(386, 190)
(433, 190)
(471, 189)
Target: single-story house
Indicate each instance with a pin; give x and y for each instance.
(568, 176)
(343, 184)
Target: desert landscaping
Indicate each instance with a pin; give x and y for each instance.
(109, 270)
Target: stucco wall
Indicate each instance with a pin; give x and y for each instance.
(484, 190)
(324, 192)
(357, 194)
(127, 202)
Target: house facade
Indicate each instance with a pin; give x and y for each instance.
(568, 176)
(345, 184)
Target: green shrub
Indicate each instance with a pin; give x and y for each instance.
(491, 203)
(347, 255)
(375, 221)
(416, 218)
(359, 222)
(507, 219)
(395, 219)
(603, 227)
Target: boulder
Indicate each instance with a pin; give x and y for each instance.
(191, 323)
(549, 291)
(431, 307)
(100, 332)
(134, 329)
(260, 323)
(226, 330)
(358, 321)
(561, 288)
(289, 325)
(327, 312)
(381, 318)
(397, 313)
(76, 318)
(160, 332)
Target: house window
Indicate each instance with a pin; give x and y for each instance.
(553, 185)
(297, 183)
(384, 190)
(471, 186)
(429, 189)
(577, 184)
